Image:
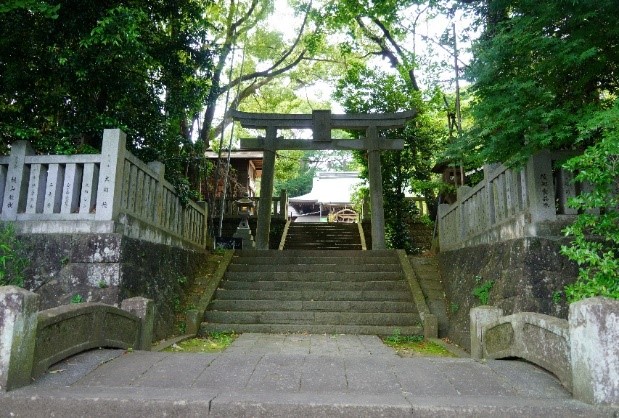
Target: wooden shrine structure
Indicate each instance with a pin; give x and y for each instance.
(321, 122)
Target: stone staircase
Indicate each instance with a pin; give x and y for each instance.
(429, 278)
(322, 236)
(318, 292)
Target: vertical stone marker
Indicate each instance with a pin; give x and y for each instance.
(376, 189)
(266, 190)
(594, 344)
(16, 186)
(18, 323)
(111, 174)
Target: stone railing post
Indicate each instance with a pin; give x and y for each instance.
(111, 174)
(594, 336)
(145, 310)
(540, 188)
(159, 168)
(463, 219)
(489, 195)
(283, 204)
(16, 188)
(442, 228)
(204, 233)
(18, 325)
(480, 317)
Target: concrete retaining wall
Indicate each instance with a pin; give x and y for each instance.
(109, 268)
(528, 275)
(581, 351)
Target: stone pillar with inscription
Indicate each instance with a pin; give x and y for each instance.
(111, 174)
(15, 191)
(540, 188)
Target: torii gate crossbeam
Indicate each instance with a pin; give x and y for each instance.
(322, 122)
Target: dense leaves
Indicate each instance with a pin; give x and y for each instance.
(546, 77)
(69, 69)
(545, 67)
(595, 233)
(370, 91)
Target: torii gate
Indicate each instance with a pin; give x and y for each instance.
(322, 122)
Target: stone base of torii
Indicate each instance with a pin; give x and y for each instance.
(321, 122)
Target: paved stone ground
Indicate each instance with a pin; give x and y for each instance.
(292, 375)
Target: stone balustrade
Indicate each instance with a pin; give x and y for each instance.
(104, 193)
(33, 340)
(510, 203)
(581, 351)
(279, 206)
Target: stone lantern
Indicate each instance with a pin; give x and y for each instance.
(245, 207)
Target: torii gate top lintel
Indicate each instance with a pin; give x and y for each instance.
(321, 122)
(320, 117)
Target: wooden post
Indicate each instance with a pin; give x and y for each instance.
(376, 190)
(266, 190)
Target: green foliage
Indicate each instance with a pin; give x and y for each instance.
(212, 343)
(415, 345)
(69, 71)
(397, 338)
(365, 90)
(482, 290)
(595, 233)
(12, 260)
(77, 298)
(539, 71)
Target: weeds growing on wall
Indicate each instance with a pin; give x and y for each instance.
(482, 290)
(12, 261)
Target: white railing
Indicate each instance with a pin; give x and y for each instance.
(508, 203)
(109, 192)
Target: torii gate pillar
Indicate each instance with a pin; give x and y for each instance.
(322, 122)
(266, 190)
(376, 191)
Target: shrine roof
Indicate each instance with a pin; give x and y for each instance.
(330, 188)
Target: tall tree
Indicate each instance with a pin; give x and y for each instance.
(69, 70)
(546, 77)
(541, 70)
(366, 90)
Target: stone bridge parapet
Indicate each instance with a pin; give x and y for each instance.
(31, 341)
(581, 352)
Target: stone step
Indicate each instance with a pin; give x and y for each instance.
(315, 305)
(358, 276)
(313, 318)
(315, 253)
(370, 295)
(391, 285)
(314, 268)
(207, 328)
(315, 260)
(323, 246)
